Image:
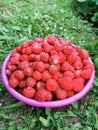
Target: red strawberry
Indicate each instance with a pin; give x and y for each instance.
(84, 54)
(86, 73)
(66, 66)
(13, 82)
(44, 57)
(69, 74)
(28, 71)
(24, 45)
(28, 50)
(36, 48)
(68, 50)
(40, 85)
(53, 69)
(22, 65)
(37, 75)
(24, 57)
(8, 72)
(19, 74)
(61, 93)
(51, 85)
(22, 83)
(40, 66)
(78, 84)
(51, 39)
(78, 65)
(70, 93)
(54, 59)
(58, 46)
(66, 83)
(45, 75)
(29, 92)
(43, 95)
(72, 57)
(30, 82)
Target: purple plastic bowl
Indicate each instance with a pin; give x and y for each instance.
(32, 102)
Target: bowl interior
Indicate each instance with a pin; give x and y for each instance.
(32, 102)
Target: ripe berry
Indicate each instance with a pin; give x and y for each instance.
(53, 69)
(19, 74)
(66, 67)
(30, 82)
(24, 57)
(37, 75)
(78, 65)
(58, 46)
(44, 57)
(15, 60)
(45, 75)
(84, 54)
(29, 92)
(40, 66)
(24, 45)
(66, 83)
(68, 50)
(51, 39)
(70, 93)
(86, 74)
(40, 85)
(54, 59)
(8, 72)
(28, 71)
(69, 74)
(36, 48)
(28, 50)
(18, 48)
(78, 84)
(56, 76)
(22, 65)
(72, 58)
(61, 93)
(43, 95)
(13, 82)
(22, 83)
(51, 85)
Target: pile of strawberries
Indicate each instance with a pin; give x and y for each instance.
(48, 68)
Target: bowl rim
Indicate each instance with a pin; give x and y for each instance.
(49, 104)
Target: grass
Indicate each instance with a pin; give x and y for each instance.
(23, 20)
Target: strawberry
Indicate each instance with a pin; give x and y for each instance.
(40, 66)
(68, 50)
(69, 74)
(18, 48)
(28, 50)
(66, 66)
(86, 74)
(30, 82)
(8, 72)
(54, 59)
(62, 57)
(84, 54)
(51, 39)
(53, 69)
(28, 71)
(37, 75)
(40, 85)
(66, 83)
(43, 95)
(36, 48)
(29, 92)
(45, 75)
(44, 57)
(78, 65)
(56, 76)
(13, 82)
(58, 46)
(15, 60)
(51, 85)
(30, 42)
(22, 65)
(22, 83)
(19, 74)
(70, 93)
(78, 84)
(24, 57)
(72, 57)
(61, 93)
(24, 45)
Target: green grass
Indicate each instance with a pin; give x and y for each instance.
(26, 19)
